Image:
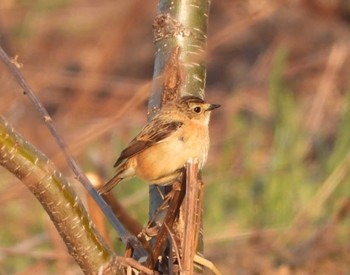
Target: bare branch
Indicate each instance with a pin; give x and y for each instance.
(175, 202)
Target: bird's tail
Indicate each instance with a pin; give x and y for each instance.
(109, 184)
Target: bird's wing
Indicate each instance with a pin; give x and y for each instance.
(154, 132)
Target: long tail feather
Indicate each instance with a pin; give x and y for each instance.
(109, 184)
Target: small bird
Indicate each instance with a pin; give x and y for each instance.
(178, 132)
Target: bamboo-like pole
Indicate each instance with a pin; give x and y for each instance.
(59, 200)
(179, 24)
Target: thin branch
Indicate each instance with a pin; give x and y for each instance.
(125, 236)
(176, 248)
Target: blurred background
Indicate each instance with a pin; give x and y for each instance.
(277, 196)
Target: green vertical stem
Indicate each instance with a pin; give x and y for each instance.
(180, 23)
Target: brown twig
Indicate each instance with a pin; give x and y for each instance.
(176, 248)
(335, 61)
(129, 262)
(174, 206)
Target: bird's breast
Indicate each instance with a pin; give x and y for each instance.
(192, 142)
(161, 160)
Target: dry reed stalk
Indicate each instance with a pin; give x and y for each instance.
(193, 215)
(175, 202)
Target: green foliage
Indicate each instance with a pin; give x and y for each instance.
(340, 153)
(266, 174)
(342, 142)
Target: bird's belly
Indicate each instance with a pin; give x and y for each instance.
(161, 162)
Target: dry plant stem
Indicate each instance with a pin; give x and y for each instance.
(123, 233)
(193, 213)
(162, 236)
(208, 264)
(175, 248)
(58, 199)
(336, 59)
(129, 262)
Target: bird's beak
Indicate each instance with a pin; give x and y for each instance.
(213, 106)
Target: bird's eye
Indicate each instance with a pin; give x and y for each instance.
(197, 109)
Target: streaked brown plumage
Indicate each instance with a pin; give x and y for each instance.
(178, 132)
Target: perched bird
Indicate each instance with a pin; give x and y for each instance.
(178, 132)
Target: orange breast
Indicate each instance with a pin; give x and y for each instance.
(158, 163)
